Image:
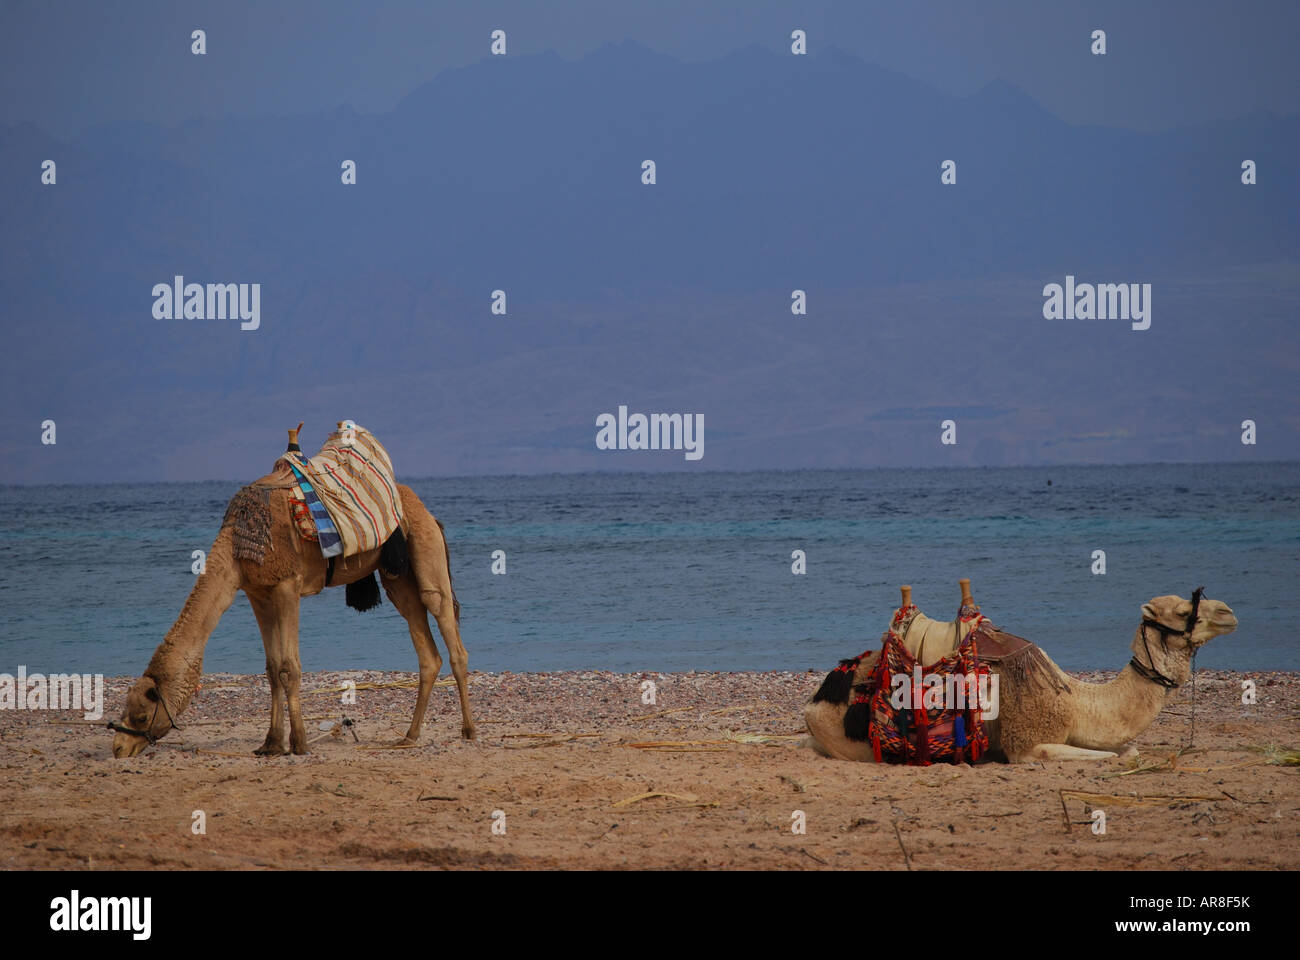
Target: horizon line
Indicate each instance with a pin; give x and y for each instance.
(647, 473)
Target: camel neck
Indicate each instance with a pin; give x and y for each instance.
(1117, 711)
(177, 664)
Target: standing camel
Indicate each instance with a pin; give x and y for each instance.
(293, 567)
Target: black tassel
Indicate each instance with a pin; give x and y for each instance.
(393, 558)
(857, 722)
(363, 594)
(835, 688)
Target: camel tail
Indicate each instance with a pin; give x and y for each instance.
(446, 552)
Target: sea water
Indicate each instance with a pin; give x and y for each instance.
(692, 570)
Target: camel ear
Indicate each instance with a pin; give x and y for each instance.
(151, 692)
(1169, 610)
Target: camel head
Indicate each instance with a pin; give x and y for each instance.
(1166, 640)
(145, 712)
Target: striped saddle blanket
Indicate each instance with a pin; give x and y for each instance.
(349, 489)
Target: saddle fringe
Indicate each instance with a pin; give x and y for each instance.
(1019, 660)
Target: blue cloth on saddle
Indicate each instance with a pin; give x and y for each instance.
(331, 544)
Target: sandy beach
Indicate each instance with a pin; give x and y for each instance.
(576, 772)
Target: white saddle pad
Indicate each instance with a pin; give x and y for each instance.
(929, 641)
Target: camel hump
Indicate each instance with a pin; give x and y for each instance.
(1017, 659)
(280, 478)
(249, 512)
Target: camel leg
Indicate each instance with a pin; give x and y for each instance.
(450, 631)
(429, 567)
(1060, 751)
(277, 615)
(273, 745)
(405, 597)
(291, 674)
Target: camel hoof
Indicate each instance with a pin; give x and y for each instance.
(403, 742)
(270, 750)
(468, 733)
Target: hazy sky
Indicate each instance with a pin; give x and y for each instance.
(69, 65)
(524, 173)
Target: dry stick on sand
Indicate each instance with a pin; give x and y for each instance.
(386, 685)
(1277, 756)
(764, 738)
(100, 723)
(1239, 800)
(1065, 811)
(709, 745)
(907, 858)
(544, 739)
(1169, 762)
(688, 799)
(677, 744)
(798, 787)
(535, 745)
(1119, 800)
(661, 713)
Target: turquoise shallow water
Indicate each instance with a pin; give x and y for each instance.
(686, 570)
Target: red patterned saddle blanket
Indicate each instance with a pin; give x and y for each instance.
(916, 714)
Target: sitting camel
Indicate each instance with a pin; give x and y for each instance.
(294, 567)
(1043, 713)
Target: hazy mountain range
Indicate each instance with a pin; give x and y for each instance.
(774, 173)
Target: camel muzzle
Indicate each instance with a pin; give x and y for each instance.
(128, 745)
(1224, 621)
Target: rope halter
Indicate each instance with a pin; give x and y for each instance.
(159, 700)
(1148, 670)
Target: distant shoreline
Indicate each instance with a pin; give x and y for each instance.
(671, 468)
